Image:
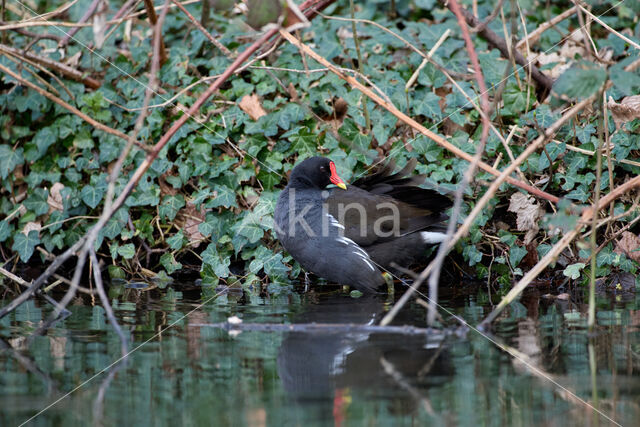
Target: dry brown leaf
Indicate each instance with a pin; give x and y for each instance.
(629, 244)
(30, 226)
(165, 187)
(628, 109)
(250, 104)
(192, 219)
(55, 198)
(528, 213)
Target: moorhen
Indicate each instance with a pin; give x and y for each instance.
(348, 234)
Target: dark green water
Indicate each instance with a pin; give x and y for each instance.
(193, 375)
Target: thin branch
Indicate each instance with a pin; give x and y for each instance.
(544, 82)
(411, 122)
(469, 173)
(488, 19)
(65, 105)
(559, 247)
(64, 69)
(87, 14)
(534, 36)
(20, 281)
(97, 276)
(153, 19)
(611, 30)
(203, 30)
(488, 195)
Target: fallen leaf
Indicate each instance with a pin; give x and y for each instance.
(55, 197)
(627, 110)
(192, 218)
(629, 244)
(31, 226)
(250, 104)
(528, 214)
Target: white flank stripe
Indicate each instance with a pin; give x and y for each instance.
(432, 237)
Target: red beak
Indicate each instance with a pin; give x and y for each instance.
(334, 178)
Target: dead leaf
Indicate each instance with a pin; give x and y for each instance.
(165, 187)
(250, 104)
(30, 226)
(627, 110)
(528, 214)
(192, 218)
(100, 23)
(629, 244)
(55, 197)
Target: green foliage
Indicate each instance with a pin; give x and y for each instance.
(580, 81)
(212, 189)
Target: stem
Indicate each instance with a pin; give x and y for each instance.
(365, 110)
(594, 222)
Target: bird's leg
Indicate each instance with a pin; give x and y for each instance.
(307, 282)
(389, 281)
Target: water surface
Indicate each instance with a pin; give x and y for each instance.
(181, 374)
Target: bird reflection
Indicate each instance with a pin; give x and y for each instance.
(320, 370)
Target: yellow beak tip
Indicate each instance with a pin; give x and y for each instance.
(342, 185)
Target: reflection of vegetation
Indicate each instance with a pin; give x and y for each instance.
(203, 375)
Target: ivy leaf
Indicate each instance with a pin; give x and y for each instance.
(573, 270)
(218, 263)
(427, 106)
(37, 202)
(5, 230)
(169, 263)
(303, 142)
(516, 253)
(176, 241)
(225, 196)
(170, 206)
(91, 195)
(25, 244)
(127, 251)
(10, 159)
(580, 81)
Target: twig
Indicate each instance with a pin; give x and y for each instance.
(356, 42)
(24, 284)
(559, 247)
(67, 106)
(544, 82)
(594, 226)
(469, 173)
(411, 122)
(534, 36)
(153, 19)
(432, 333)
(72, 32)
(601, 22)
(488, 19)
(97, 276)
(454, 74)
(36, 36)
(495, 185)
(203, 30)
(63, 69)
(424, 62)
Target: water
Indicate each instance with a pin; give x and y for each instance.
(193, 375)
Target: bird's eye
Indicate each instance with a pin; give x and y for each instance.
(323, 169)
